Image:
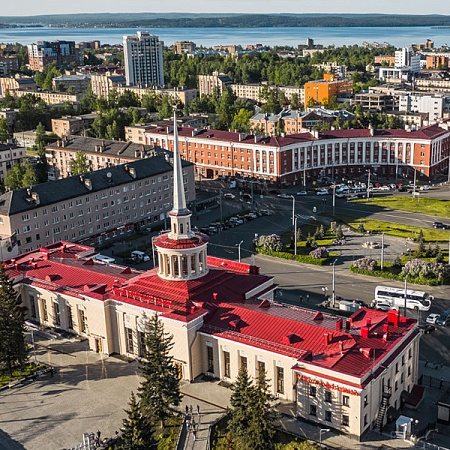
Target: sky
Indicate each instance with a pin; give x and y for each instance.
(38, 7)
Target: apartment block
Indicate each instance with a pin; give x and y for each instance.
(102, 85)
(143, 55)
(208, 84)
(98, 205)
(73, 83)
(100, 154)
(51, 97)
(12, 84)
(10, 154)
(322, 91)
(184, 95)
(184, 47)
(63, 53)
(437, 62)
(8, 64)
(69, 125)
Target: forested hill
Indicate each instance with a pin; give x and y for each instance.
(179, 20)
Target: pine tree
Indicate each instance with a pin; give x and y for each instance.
(160, 389)
(13, 347)
(261, 430)
(241, 400)
(137, 430)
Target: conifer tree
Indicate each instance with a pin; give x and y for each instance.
(261, 430)
(13, 347)
(241, 401)
(160, 390)
(137, 430)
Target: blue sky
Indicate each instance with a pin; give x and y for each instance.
(36, 7)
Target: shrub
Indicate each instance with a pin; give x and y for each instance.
(319, 252)
(270, 242)
(366, 263)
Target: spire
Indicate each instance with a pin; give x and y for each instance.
(179, 199)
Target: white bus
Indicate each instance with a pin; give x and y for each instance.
(418, 300)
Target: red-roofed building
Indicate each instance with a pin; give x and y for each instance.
(340, 374)
(334, 153)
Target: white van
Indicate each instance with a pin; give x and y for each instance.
(139, 256)
(105, 259)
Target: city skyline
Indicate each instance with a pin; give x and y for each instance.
(44, 7)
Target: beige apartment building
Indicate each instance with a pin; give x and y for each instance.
(98, 205)
(10, 154)
(102, 85)
(100, 154)
(208, 84)
(341, 373)
(12, 84)
(50, 97)
(184, 47)
(68, 125)
(182, 94)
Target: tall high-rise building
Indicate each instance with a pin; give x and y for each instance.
(143, 56)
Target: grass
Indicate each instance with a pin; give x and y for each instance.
(18, 374)
(399, 230)
(423, 205)
(167, 436)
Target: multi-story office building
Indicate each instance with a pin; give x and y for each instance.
(143, 55)
(342, 374)
(98, 205)
(63, 53)
(335, 153)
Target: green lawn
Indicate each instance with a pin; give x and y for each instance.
(18, 374)
(424, 205)
(399, 230)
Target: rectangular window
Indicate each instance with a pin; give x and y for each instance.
(82, 321)
(328, 416)
(226, 360)
(44, 310)
(280, 380)
(365, 401)
(243, 362)
(142, 345)
(56, 314)
(365, 419)
(328, 396)
(261, 367)
(210, 355)
(313, 391)
(69, 317)
(129, 340)
(32, 307)
(345, 420)
(312, 410)
(346, 400)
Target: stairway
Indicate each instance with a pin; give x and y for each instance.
(383, 407)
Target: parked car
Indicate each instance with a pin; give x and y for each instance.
(443, 319)
(432, 318)
(229, 195)
(283, 196)
(302, 193)
(266, 212)
(323, 192)
(427, 328)
(426, 187)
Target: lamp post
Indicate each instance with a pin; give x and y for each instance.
(405, 297)
(382, 251)
(34, 346)
(239, 251)
(220, 205)
(334, 198)
(322, 430)
(368, 185)
(293, 210)
(295, 236)
(333, 290)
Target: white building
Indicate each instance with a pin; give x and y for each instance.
(143, 55)
(433, 105)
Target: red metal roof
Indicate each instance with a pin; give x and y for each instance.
(164, 241)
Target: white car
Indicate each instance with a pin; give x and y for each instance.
(323, 192)
(302, 193)
(432, 318)
(229, 195)
(427, 187)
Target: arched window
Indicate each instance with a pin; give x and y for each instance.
(181, 228)
(175, 228)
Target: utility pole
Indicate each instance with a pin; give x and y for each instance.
(382, 251)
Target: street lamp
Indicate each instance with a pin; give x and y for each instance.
(406, 296)
(382, 251)
(239, 250)
(322, 430)
(295, 236)
(293, 210)
(333, 291)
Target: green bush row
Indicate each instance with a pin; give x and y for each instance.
(305, 259)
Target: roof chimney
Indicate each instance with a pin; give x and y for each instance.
(364, 332)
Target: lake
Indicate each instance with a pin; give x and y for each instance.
(208, 37)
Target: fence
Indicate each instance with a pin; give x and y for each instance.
(437, 383)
